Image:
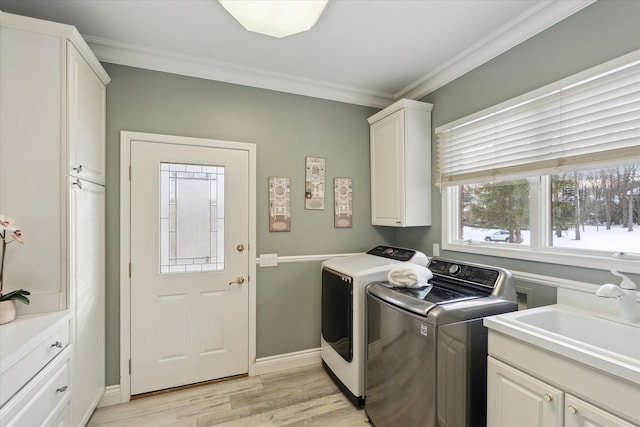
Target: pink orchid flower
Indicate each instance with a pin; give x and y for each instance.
(7, 224)
(17, 236)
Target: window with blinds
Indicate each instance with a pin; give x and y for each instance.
(587, 119)
(552, 176)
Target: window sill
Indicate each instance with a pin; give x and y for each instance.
(597, 260)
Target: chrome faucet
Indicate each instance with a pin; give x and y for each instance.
(626, 293)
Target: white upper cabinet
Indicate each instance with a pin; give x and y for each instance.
(51, 120)
(87, 116)
(401, 165)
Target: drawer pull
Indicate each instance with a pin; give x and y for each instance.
(62, 389)
(547, 397)
(57, 344)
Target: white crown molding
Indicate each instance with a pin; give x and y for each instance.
(140, 57)
(534, 21)
(527, 25)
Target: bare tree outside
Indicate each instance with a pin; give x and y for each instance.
(587, 195)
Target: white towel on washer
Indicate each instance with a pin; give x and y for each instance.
(409, 276)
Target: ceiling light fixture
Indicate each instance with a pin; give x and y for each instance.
(276, 18)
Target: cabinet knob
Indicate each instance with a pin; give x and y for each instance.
(57, 344)
(62, 389)
(573, 409)
(547, 397)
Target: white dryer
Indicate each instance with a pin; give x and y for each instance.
(343, 338)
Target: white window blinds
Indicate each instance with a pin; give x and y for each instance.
(591, 117)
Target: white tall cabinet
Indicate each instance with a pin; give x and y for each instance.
(400, 141)
(52, 176)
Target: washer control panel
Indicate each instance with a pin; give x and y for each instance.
(469, 273)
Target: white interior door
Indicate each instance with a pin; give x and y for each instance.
(189, 264)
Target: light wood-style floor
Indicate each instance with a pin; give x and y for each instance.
(297, 397)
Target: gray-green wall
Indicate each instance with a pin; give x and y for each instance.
(287, 128)
(602, 31)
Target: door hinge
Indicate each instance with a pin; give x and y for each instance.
(129, 366)
(129, 270)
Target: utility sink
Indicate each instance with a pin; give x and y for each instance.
(604, 342)
(594, 330)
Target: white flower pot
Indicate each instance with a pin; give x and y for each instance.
(7, 311)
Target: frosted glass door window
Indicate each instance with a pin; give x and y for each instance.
(191, 218)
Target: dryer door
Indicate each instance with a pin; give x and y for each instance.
(337, 312)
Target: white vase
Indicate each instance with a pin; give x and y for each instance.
(7, 311)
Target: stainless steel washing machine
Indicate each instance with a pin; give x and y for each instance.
(427, 347)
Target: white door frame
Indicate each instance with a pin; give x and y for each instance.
(125, 238)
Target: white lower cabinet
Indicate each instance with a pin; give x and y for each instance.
(52, 392)
(61, 418)
(87, 284)
(517, 399)
(35, 371)
(582, 414)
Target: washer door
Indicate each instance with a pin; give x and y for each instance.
(400, 367)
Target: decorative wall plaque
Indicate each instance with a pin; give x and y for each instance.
(343, 202)
(279, 204)
(314, 183)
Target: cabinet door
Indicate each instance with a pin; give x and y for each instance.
(87, 284)
(517, 399)
(30, 173)
(387, 171)
(86, 119)
(582, 414)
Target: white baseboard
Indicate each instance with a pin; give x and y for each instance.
(280, 362)
(111, 396)
(264, 365)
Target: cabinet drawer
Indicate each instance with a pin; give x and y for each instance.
(60, 418)
(24, 369)
(43, 399)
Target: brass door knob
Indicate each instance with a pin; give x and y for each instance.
(240, 247)
(239, 281)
